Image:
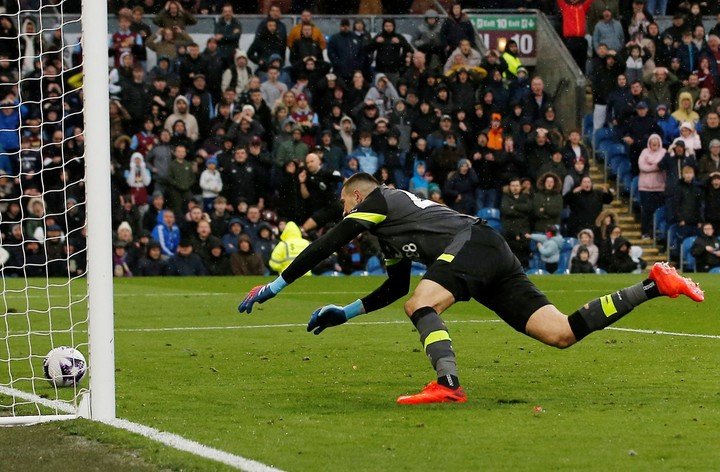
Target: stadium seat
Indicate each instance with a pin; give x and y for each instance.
(565, 251)
(600, 271)
(587, 129)
(418, 269)
(536, 272)
(489, 213)
(331, 273)
(374, 266)
(687, 260)
(715, 270)
(601, 136)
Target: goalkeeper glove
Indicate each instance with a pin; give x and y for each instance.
(261, 293)
(333, 315)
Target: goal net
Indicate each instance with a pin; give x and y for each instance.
(54, 210)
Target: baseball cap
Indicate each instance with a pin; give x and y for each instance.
(641, 104)
(446, 118)
(714, 142)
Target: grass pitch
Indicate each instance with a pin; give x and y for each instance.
(261, 387)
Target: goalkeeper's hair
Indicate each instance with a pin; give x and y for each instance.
(361, 181)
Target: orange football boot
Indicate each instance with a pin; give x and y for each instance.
(671, 284)
(434, 393)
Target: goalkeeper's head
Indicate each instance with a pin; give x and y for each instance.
(356, 188)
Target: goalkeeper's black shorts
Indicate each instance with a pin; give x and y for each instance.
(486, 269)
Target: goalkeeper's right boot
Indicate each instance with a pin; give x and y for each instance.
(671, 284)
(434, 393)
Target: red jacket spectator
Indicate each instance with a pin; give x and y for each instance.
(574, 16)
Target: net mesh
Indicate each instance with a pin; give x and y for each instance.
(42, 202)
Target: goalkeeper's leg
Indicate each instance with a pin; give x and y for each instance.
(424, 308)
(552, 327)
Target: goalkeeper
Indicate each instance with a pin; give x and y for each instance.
(465, 259)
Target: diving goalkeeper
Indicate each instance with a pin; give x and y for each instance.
(465, 259)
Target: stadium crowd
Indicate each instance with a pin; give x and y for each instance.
(228, 161)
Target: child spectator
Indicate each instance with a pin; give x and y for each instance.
(580, 263)
(210, 183)
(586, 240)
(368, 160)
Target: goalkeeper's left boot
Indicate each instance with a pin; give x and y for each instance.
(672, 284)
(434, 393)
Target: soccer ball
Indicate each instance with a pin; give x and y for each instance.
(64, 366)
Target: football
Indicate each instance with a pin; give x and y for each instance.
(64, 366)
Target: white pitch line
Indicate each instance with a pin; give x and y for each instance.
(169, 439)
(665, 333)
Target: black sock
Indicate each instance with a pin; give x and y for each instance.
(449, 381)
(604, 311)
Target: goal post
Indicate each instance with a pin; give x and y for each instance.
(99, 222)
(51, 303)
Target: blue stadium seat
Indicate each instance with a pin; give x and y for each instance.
(715, 270)
(600, 271)
(374, 266)
(635, 190)
(418, 269)
(603, 135)
(587, 129)
(489, 213)
(536, 272)
(687, 260)
(331, 273)
(565, 251)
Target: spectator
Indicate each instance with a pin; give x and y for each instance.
(181, 113)
(636, 133)
(120, 263)
(218, 263)
(246, 261)
(237, 76)
(574, 16)
(515, 212)
(166, 233)
(383, 94)
(537, 100)
(138, 179)
(463, 55)
(651, 183)
(290, 246)
(227, 33)
(166, 42)
(456, 28)
(706, 249)
(180, 180)
(710, 164)
(186, 262)
(687, 52)
(595, 13)
(555, 165)
(368, 159)
(159, 159)
(443, 160)
(240, 181)
(549, 245)
(210, 183)
(547, 202)
(609, 31)
(230, 239)
(710, 131)
(586, 241)
(123, 41)
(152, 264)
(687, 201)
(346, 52)
(291, 150)
(712, 199)
(272, 89)
(390, 50)
(487, 164)
(668, 125)
(174, 16)
(429, 39)
(460, 188)
(296, 31)
(621, 262)
(685, 112)
(585, 204)
(274, 14)
(203, 241)
(580, 263)
(268, 45)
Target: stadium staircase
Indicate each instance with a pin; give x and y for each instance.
(621, 205)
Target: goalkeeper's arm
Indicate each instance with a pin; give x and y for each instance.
(395, 286)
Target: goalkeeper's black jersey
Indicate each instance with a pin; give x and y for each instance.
(406, 226)
(409, 227)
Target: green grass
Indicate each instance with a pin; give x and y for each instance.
(618, 400)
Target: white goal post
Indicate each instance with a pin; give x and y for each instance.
(42, 312)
